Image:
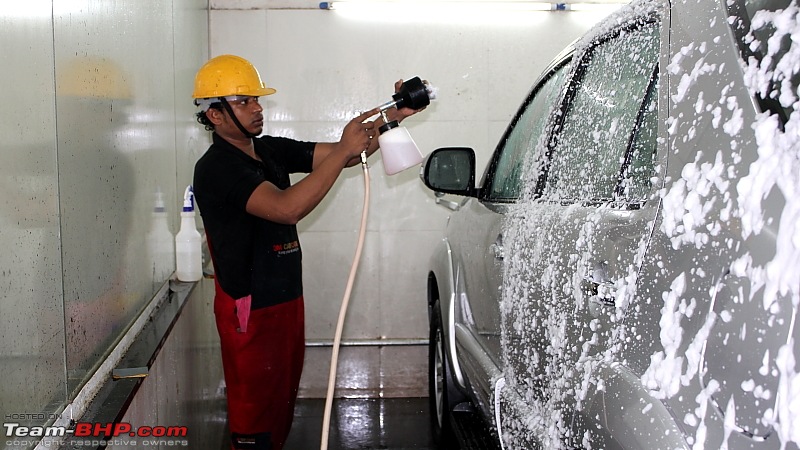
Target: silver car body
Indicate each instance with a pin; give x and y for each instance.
(639, 288)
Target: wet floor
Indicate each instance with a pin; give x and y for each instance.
(383, 400)
(362, 424)
(393, 423)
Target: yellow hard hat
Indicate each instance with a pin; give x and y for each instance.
(227, 75)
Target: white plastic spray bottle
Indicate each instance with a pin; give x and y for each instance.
(188, 257)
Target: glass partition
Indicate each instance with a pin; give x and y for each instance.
(31, 310)
(97, 118)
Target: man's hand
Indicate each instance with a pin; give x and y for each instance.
(402, 113)
(357, 135)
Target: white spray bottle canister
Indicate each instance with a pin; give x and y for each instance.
(160, 241)
(188, 257)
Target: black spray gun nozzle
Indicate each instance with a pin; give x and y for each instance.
(414, 94)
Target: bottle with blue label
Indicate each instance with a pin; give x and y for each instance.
(188, 256)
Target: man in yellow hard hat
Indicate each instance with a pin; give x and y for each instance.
(249, 210)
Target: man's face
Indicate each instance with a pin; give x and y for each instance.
(249, 113)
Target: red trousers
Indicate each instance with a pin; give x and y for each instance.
(262, 370)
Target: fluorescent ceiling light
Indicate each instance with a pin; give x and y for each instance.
(422, 5)
(460, 11)
(27, 9)
(606, 7)
(445, 12)
(472, 5)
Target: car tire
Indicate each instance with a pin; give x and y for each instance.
(443, 394)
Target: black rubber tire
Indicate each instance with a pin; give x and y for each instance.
(442, 392)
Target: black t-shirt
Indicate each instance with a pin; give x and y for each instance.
(251, 256)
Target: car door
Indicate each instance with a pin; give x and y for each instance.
(475, 234)
(577, 244)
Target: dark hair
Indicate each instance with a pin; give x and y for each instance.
(202, 118)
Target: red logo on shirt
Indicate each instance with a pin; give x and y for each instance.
(288, 247)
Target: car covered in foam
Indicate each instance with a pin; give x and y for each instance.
(626, 273)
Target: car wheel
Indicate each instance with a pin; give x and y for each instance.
(443, 394)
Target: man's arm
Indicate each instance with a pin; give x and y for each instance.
(290, 205)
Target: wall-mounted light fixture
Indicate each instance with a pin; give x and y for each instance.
(504, 12)
(347, 5)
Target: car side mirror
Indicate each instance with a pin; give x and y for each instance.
(450, 170)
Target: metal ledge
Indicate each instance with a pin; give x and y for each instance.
(112, 400)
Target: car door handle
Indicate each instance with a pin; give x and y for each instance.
(497, 248)
(498, 251)
(597, 284)
(602, 293)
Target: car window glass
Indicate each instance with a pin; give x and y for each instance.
(505, 184)
(590, 149)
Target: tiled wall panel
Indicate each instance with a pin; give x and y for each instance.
(326, 69)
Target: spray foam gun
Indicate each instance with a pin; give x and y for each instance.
(397, 147)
